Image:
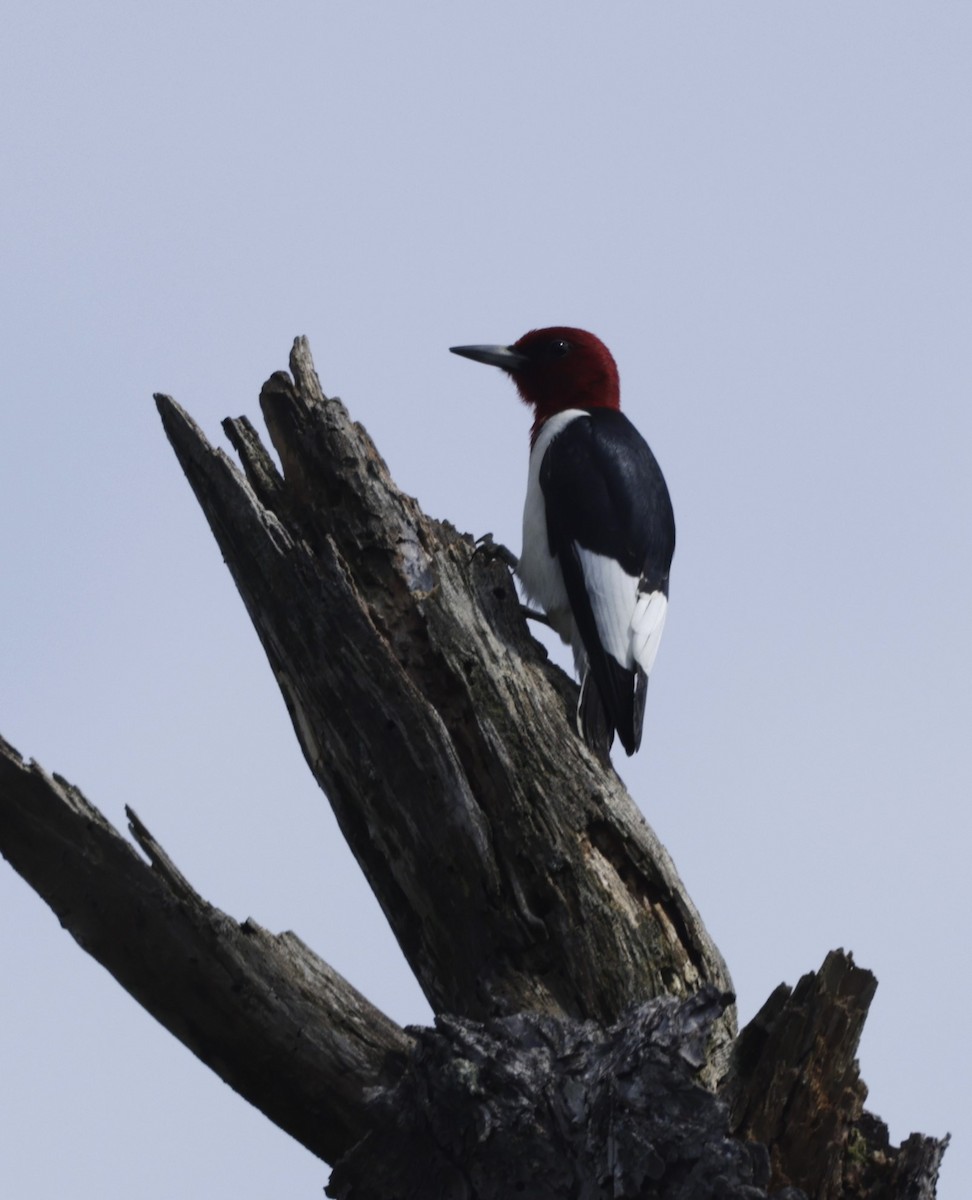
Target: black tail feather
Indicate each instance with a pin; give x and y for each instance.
(597, 724)
(593, 722)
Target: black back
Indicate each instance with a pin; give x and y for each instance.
(604, 491)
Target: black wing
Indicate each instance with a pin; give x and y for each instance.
(604, 493)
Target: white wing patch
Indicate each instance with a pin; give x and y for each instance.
(629, 623)
(647, 626)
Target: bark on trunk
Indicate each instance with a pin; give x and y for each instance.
(586, 1018)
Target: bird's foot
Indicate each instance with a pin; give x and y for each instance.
(534, 614)
(496, 551)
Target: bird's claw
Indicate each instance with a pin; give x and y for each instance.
(496, 551)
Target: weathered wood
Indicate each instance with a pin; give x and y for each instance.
(265, 1013)
(582, 1006)
(795, 1086)
(515, 871)
(546, 1108)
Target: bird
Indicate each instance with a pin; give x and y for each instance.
(598, 525)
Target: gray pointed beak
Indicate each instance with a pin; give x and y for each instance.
(496, 356)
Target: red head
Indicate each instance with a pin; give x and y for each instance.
(555, 369)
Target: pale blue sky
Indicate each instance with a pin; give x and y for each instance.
(763, 209)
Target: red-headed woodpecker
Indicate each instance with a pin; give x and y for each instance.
(598, 527)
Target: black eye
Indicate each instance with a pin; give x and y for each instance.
(559, 348)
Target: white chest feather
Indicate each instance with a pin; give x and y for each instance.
(539, 571)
